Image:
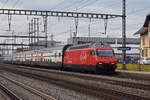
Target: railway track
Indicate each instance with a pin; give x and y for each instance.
(64, 79)
(72, 86)
(9, 93)
(32, 90)
(97, 78)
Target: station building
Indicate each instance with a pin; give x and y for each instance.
(144, 32)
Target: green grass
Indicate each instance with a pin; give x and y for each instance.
(134, 67)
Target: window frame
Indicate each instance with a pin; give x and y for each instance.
(92, 52)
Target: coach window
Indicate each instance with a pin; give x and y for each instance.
(92, 52)
(64, 54)
(59, 54)
(55, 54)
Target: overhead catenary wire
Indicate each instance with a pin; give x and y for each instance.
(88, 2)
(111, 5)
(57, 5)
(4, 4)
(74, 4)
(116, 28)
(138, 10)
(85, 5)
(10, 16)
(81, 5)
(14, 5)
(61, 33)
(11, 8)
(78, 4)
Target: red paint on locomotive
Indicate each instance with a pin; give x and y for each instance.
(91, 58)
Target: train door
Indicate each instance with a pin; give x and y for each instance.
(25, 60)
(41, 58)
(31, 62)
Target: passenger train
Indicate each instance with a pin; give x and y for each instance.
(97, 57)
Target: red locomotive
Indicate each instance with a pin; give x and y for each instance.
(98, 57)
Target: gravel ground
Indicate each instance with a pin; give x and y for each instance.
(138, 92)
(64, 94)
(24, 94)
(146, 82)
(50, 89)
(98, 84)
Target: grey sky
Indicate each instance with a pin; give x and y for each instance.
(136, 13)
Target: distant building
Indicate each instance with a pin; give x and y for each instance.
(145, 38)
(41, 44)
(134, 43)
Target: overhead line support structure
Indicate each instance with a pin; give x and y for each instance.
(45, 14)
(21, 36)
(9, 44)
(57, 14)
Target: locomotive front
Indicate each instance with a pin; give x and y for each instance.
(106, 60)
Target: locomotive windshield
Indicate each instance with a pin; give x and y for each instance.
(105, 52)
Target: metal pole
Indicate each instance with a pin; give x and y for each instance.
(139, 57)
(31, 34)
(105, 25)
(45, 29)
(76, 26)
(9, 22)
(89, 30)
(124, 33)
(12, 41)
(38, 33)
(34, 33)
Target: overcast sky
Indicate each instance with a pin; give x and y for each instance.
(62, 27)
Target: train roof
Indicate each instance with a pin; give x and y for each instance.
(90, 45)
(60, 47)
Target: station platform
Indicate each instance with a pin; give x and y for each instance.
(133, 72)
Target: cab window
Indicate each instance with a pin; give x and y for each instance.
(59, 54)
(92, 52)
(55, 54)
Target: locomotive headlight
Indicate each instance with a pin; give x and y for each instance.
(112, 63)
(100, 63)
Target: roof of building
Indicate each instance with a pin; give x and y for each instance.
(147, 20)
(144, 28)
(81, 40)
(142, 31)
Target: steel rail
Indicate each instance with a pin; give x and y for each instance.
(37, 74)
(9, 92)
(94, 78)
(44, 96)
